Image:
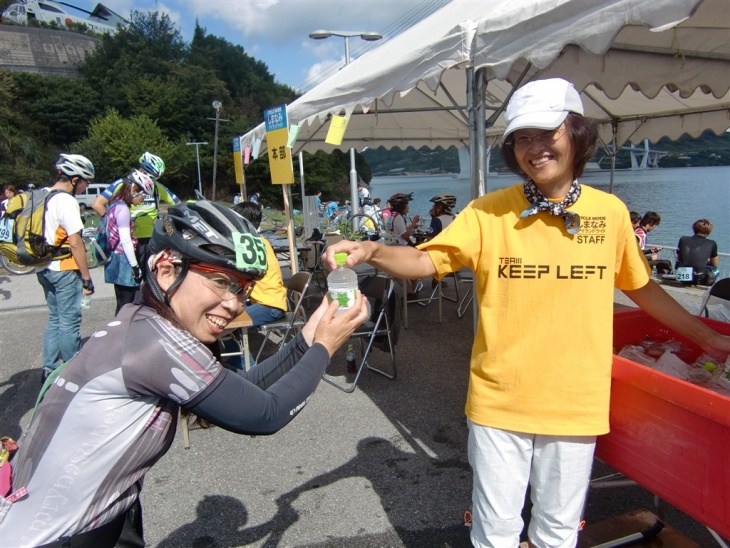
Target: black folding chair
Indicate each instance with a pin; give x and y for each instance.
(295, 318)
(379, 331)
(719, 290)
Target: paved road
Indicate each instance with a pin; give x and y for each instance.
(385, 466)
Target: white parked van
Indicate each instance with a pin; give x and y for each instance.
(87, 197)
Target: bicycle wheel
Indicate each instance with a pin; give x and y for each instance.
(361, 227)
(14, 268)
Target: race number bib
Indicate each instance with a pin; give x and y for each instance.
(685, 274)
(250, 251)
(6, 229)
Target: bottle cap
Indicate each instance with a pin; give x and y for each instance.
(340, 258)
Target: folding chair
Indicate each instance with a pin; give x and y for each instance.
(465, 276)
(376, 330)
(720, 290)
(407, 299)
(294, 319)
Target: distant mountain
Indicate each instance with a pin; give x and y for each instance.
(707, 150)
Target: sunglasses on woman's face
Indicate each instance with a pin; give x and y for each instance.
(220, 283)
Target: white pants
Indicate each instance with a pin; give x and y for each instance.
(557, 468)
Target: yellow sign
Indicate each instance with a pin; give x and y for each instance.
(280, 162)
(237, 160)
(337, 130)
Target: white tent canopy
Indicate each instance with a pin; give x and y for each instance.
(646, 69)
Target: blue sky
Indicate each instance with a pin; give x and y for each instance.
(277, 31)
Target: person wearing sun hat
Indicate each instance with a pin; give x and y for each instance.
(546, 255)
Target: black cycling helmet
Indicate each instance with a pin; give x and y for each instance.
(447, 200)
(400, 198)
(202, 232)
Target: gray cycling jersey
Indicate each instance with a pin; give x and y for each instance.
(112, 413)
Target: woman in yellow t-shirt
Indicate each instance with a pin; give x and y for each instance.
(547, 255)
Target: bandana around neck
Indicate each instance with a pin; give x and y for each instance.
(539, 202)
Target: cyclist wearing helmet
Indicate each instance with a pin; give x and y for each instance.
(397, 225)
(123, 268)
(441, 215)
(65, 280)
(112, 413)
(398, 229)
(143, 214)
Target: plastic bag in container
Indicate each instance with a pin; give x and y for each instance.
(670, 364)
(655, 348)
(636, 354)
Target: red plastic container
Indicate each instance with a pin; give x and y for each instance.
(670, 436)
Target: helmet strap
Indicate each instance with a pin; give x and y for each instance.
(157, 290)
(177, 282)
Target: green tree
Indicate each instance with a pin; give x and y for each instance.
(22, 159)
(115, 144)
(252, 88)
(57, 109)
(151, 47)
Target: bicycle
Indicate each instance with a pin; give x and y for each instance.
(362, 227)
(14, 268)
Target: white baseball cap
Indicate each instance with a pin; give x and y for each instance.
(542, 104)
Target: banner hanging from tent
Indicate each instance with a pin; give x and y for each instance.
(277, 137)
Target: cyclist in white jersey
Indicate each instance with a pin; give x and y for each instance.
(112, 412)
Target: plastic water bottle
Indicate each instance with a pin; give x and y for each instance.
(342, 284)
(85, 302)
(351, 361)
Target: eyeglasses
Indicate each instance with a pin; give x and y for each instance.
(222, 286)
(523, 142)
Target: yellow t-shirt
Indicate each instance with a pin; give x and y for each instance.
(541, 359)
(270, 290)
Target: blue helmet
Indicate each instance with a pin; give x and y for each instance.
(152, 164)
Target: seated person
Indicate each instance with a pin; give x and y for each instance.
(700, 253)
(441, 215)
(649, 222)
(268, 298)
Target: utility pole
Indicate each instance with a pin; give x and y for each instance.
(197, 160)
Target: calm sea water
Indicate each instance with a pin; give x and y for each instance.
(679, 195)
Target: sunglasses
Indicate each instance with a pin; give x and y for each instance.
(221, 285)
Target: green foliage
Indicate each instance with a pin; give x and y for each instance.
(151, 47)
(21, 157)
(115, 144)
(144, 88)
(58, 109)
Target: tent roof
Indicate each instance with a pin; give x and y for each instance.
(635, 64)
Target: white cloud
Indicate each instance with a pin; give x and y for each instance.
(282, 21)
(318, 73)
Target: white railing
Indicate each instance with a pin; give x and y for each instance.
(669, 253)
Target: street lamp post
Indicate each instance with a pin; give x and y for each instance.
(370, 37)
(217, 106)
(197, 160)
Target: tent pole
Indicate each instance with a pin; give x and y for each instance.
(471, 111)
(614, 152)
(480, 93)
(301, 175)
